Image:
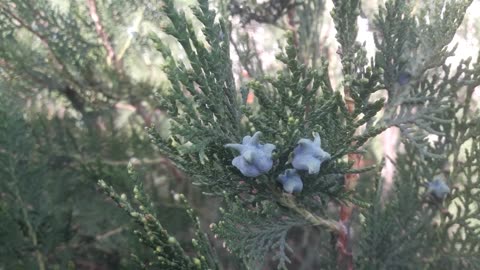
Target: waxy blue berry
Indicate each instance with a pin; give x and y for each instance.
(309, 155)
(255, 158)
(291, 181)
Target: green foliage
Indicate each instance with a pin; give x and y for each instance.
(411, 230)
(85, 56)
(297, 102)
(412, 45)
(205, 115)
(208, 117)
(253, 233)
(25, 223)
(168, 254)
(50, 213)
(67, 90)
(61, 49)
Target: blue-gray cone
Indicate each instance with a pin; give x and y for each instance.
(309, 155)
(438, 188)
(404, 78)
(291, 181)
(255, 159)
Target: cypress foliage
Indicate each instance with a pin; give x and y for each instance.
(411, 227)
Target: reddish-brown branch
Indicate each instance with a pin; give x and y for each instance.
(57, 61)
(111, 56)
(43, 39)
(345, 258)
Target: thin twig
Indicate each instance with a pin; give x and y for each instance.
(44, 41)
(128, 43)
(110, 233)
(111, 56)
(332, 225)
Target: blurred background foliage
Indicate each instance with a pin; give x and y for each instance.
(77, 84)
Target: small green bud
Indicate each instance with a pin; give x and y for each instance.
(172, 240)
(194, 242)
(102, 184)
(130, 167)
(159, 249)
(197, 262)
(123, 197)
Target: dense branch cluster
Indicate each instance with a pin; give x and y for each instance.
(283, 165)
